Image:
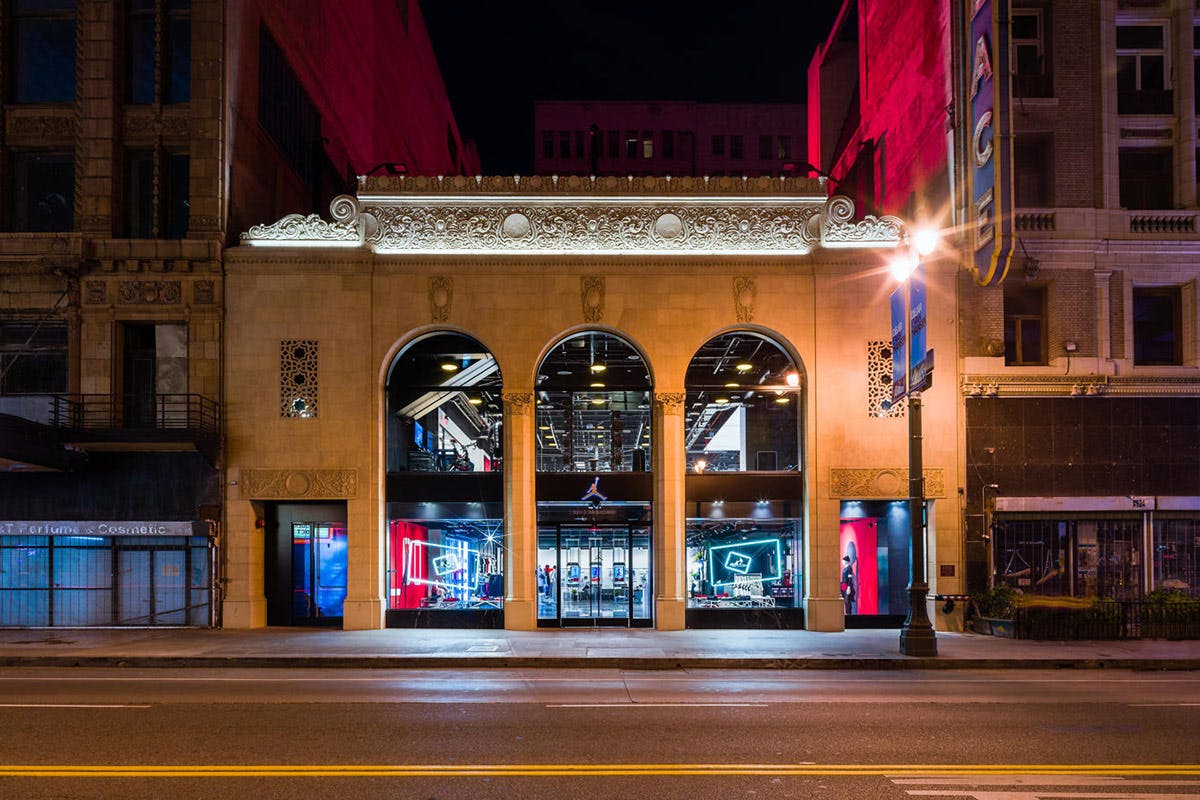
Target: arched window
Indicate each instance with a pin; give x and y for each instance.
(444, 495)
(593, 411)
(744, 532)
(743, 393)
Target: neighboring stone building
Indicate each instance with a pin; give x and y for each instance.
(137, 137)
(668, 138)
(1079, 378)
(573, 401)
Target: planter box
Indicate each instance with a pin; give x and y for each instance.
(993, 627)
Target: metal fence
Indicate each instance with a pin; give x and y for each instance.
(1110, 619)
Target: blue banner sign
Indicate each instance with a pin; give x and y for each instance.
(899, 333)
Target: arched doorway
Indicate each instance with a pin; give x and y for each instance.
(445, 525)
(744, 487)
(594, 489)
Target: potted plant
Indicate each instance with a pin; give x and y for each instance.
(994, 609)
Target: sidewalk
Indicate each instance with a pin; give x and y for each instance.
(586, 648)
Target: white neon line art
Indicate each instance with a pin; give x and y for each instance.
(712, 551)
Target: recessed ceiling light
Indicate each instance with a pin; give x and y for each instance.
(598, 401)
(597, 385)
(721, 401)
(449, 367)
(598, 368)
(476, 401)
(744, 367)
(783, 399)
(731, 385)
(563, 372)
(543, 427)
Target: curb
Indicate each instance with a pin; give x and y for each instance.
(633, 663)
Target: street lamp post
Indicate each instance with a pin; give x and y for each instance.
(914, 372)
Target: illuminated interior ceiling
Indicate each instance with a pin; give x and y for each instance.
(591, 376)
(446, 370)
(729, 372)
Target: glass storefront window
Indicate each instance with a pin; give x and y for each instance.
(744, 562)
(743, 406)
(1177, 554)
(445, 556)
(874, 555)
(1075, 557)
(593, 407)
(444, 407)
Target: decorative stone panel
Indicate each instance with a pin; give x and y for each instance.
(517, 403)
(591, 294)
(879, 382)
(203, 293)
(881, 484)
(298, 378)
(744, 294)
(441, 292)
(150, 292)
(310, 484)
(97, 293)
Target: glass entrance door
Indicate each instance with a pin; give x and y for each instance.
(318, 572)
(601, 575)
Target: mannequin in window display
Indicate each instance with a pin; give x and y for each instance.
(849, 587)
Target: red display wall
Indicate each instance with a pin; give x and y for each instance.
(400, 595)
(859, 538)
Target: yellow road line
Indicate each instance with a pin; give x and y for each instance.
(581, 770)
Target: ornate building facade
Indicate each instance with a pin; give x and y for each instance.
(545, 402)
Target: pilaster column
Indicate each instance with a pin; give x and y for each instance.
(520, 512)
(670, 527)
(365, 602)
(244, 603)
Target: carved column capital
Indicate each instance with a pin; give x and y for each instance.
(517, 402)
(670, 402)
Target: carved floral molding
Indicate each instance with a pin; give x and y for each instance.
(589, 223)
(881, 484)
(670, 402)
(284, 484)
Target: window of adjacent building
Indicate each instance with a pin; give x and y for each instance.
(614, 143)
(547, 144)
(735, 147)
(1033, 168)
(42, 54)
(687, 144)
(1024, 324)
(668, 144)
(286, 111)
(647, 144)
(162, 214)
(631, 144)
(33, 357)
(1143, 70)
(579, 139)
(718, 145)
(1157, 325)
(159, 45)
(42, 191)
(564, 144)
(1031, 63)
(764, 147)
(784, 150)
(1147, 178)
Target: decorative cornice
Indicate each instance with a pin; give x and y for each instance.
(587, 223)
(670, 402)
(881, 484)
(590, 185)
(1077, 386)
(315, 484)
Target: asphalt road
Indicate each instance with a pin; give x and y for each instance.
(1004, 735)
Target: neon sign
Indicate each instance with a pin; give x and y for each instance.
(729, 562)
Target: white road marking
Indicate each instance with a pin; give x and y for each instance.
(71, 705)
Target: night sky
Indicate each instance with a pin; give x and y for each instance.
(498, 57)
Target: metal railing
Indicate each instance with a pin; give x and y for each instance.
(185, 412)
(1110, 619)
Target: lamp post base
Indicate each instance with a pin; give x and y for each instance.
(918, 642)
